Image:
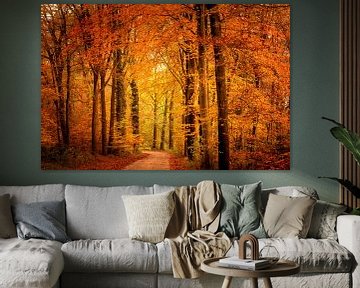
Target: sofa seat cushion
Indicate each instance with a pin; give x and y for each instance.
(313, 255)
(110, 255)
(30, 263)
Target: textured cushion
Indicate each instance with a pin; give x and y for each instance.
(7, 227)
(240, 210)
(32, 263)
(44, 220)
(149, 215)
(98, 213)
(323, 222)
(117, 255)
(36, 193)
(287, 216)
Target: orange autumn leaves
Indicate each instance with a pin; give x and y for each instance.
(209, 83)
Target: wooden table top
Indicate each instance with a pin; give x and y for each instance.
(281, 268)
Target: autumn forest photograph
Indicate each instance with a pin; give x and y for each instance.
(165, 86)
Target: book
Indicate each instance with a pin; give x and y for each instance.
(236, 262)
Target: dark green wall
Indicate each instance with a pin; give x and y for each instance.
(314, 93)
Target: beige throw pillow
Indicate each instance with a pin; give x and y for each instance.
(7, 226)
(288, 217)
(148, 215)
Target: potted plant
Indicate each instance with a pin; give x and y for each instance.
(351, 141)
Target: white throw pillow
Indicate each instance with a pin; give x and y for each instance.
(149, 215)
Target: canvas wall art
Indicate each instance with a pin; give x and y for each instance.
(165, 86)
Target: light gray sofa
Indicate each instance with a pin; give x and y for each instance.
(101, 254)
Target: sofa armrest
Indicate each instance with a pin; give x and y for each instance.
(348, 230)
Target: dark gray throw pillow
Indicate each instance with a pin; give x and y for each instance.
(240, 213)
(7, 227)
(43, 220)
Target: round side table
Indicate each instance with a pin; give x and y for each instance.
(281, 268)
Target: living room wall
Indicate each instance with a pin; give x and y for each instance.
(314, 93)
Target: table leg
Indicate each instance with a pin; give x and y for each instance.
(267, 283)
(254, 282)
(227, 282)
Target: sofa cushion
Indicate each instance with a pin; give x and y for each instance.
(323, 222)
(287, 216)
(36, 193)
(240, 210)
(98, 213)
(7, 227)
(43, 220)
(30, 263)
(109, 280)
(116, 255)
(149, 215)
(313, 255)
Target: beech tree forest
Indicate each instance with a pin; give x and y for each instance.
(165, 86)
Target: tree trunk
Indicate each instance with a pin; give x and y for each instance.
(203, 93)
(58, 128)
(223, 136)
(55, 50)
(134, 107)
(135, 113)
(94, 117)
(120, 94)
(58, 67)
(162, 138)
(67, 102)
(171, 122)
(154, 145)
(190, 69)
(112, 116)
(103, 112)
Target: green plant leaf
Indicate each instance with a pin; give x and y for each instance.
(333, 121)
(348, 138)
(355, 211)
(347, 184)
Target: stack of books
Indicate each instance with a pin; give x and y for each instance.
(248, 264)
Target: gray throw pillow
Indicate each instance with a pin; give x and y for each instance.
(240, 213)
(7, 226)
(44, 220)
(323, 222)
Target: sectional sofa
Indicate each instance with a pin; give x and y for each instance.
(100, 253)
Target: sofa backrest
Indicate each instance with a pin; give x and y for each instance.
(163, 188)
(36, 193)
(293, 191)
(98, 213)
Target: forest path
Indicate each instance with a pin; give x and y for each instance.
(155, 160)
